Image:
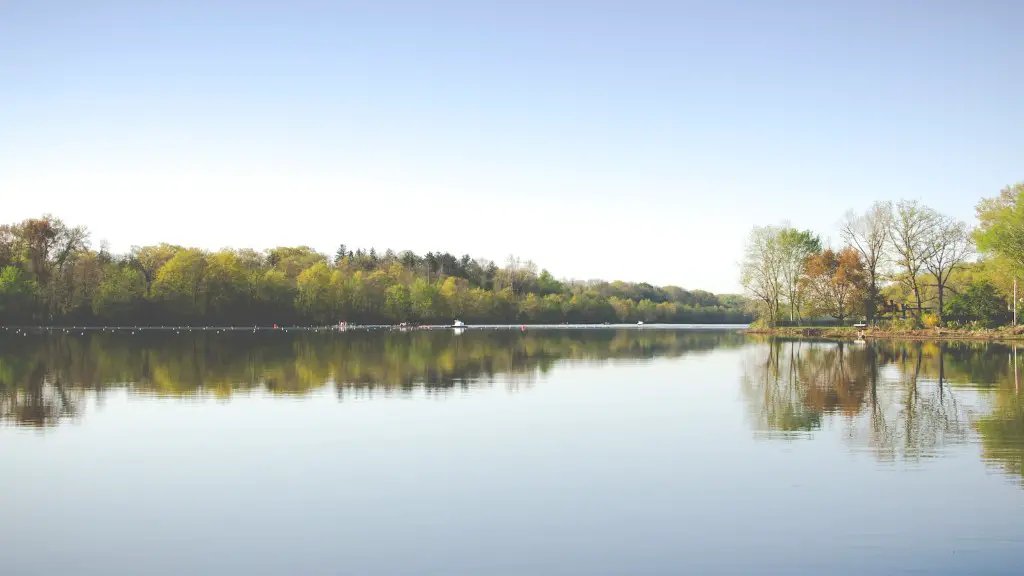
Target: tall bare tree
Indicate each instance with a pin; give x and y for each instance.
(868, 233)
(950, 246)
(762, 273)
(910, 231)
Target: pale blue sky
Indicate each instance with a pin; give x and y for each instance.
(620, 140)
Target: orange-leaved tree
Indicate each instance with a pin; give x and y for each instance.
(835, 282)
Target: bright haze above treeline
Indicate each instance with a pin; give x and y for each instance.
(638, 140)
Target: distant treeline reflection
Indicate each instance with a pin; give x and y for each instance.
(44, 378)
(900, 400)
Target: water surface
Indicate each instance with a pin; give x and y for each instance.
(499, 452)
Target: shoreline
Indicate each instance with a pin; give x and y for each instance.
(851, 333)
(368, 327)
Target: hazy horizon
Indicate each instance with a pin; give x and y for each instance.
(635, 142)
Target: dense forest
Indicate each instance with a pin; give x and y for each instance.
(49, 274)
(900, 263)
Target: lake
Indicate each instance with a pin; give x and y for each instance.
(506, 452)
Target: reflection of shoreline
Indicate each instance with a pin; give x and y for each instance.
(40, 375)
(460, 329)
(900, 400)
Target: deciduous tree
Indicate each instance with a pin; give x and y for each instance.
(795, 247)
(836, 282)
(868, 233)
(762, 271)
(950, 245)
(910, 231)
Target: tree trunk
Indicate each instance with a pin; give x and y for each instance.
(1017, 382)
(939, 314)
(870, 304)
(942, 367)
(917, 298)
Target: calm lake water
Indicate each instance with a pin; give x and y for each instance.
(544, 452)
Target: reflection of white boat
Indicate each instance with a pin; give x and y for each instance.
(458, 330)
(459, 324)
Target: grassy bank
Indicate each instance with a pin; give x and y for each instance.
(878, 333)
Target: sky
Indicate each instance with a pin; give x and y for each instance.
(636, 140)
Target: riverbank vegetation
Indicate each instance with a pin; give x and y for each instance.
(902, 266)
(891, 332)
(50, 274)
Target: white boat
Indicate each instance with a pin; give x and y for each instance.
(459, 324)
(640, 323)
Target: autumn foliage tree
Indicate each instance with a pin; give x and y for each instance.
(835, 282)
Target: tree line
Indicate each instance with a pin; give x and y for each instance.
(50, 274)
(900, 262)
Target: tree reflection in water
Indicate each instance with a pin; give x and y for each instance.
(1002, 429)
(44, 377)
(898, 400)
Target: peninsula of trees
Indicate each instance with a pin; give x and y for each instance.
(50, 275)
(901, 264)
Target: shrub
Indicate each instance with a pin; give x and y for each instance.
(979, 304)
(930, 320)
(907, 323)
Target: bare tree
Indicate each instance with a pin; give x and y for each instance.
(868, 233)
(950, 246)
(762, 272)
(910, 231)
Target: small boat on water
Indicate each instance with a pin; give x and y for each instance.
(459, 324)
